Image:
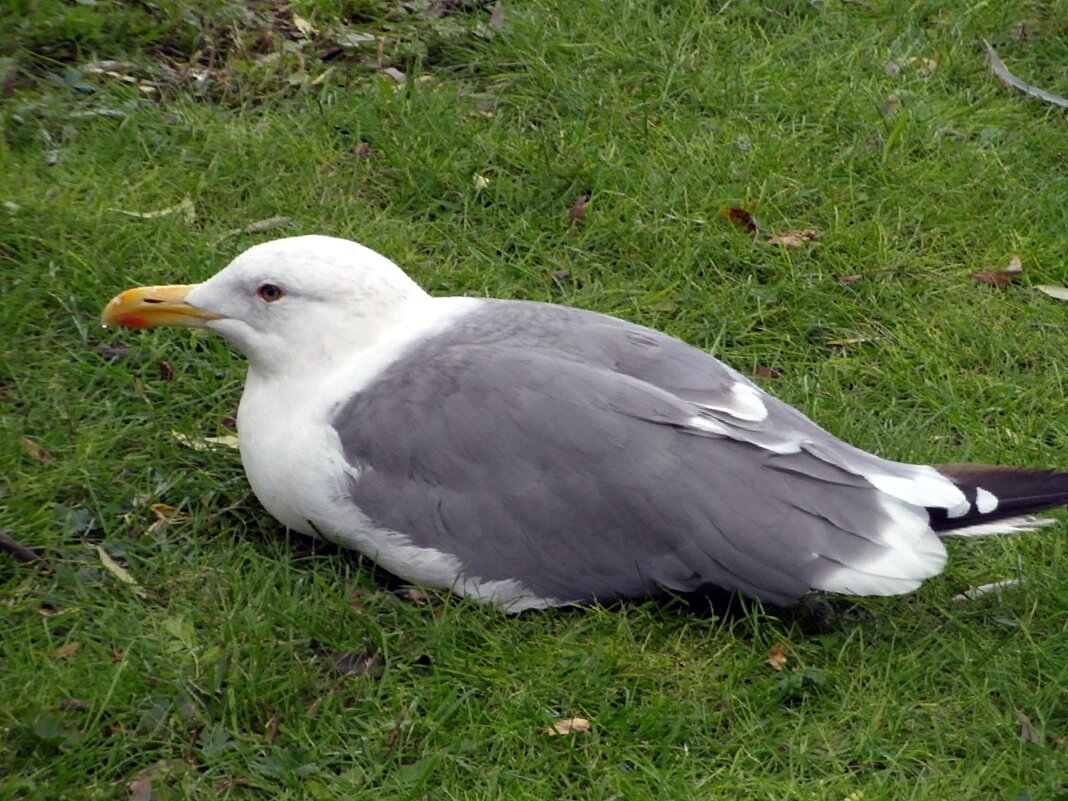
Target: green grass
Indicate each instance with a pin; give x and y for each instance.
(667, 112)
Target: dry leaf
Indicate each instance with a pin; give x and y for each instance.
(67, 650)
(995, 278)
(73, 704)
(568, 726)
(846, 280)
(1028, 732)
(35, 451)
(271, 730)
(185, 208)
(924, 66)
(891, 106)
(560, 275)
(347, 37)
(164, 512)
(766, 372)
(395, 75)
(307, 30)
(1057, 292)
(260, 226)
(416, 595)
(119, 572)
(578, 211)
(792, 239)
(743, 219)
(1007, 78)
(165, 370)
(205, 443)
(994, 587)
(480, 181)
(1014, 265)
(777, 656)
(141, 787)
(497, 20)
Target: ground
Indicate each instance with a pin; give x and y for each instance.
(148, 143)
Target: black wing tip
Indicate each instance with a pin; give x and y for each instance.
(996, 493)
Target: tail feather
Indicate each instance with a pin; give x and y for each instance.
(1006, 494)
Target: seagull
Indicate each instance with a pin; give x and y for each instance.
(534, 455)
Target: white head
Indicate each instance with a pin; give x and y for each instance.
(285, 304)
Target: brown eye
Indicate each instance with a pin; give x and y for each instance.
(271, 292)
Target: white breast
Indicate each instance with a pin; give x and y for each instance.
(296, 466)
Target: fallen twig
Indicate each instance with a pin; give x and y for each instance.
(20, 551)
(1007, 78)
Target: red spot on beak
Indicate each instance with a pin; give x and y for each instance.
(132, 321)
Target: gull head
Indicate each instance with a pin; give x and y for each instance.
(290, 304)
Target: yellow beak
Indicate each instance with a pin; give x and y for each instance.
(149, 306)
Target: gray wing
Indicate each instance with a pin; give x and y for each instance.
(591, 459)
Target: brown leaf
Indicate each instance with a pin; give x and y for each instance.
(578, 211)
(777, 656)
(766, 372)
(743, 219)
(165, 515)
(363, 150)
(568, 726)
(792, 239)
(35, 451)
(846, 280)
(165, 370)
(67, 650)
(271, 729)
(1028, 732)
(995, 278)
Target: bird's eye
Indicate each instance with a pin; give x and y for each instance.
(271, 292)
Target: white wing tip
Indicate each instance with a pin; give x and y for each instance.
(1008, 525)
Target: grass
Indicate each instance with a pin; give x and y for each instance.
(222, 681)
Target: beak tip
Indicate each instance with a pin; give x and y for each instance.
(146, 307)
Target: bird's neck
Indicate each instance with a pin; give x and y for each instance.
(345, 361)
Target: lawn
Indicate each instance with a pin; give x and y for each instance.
(149, 143)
